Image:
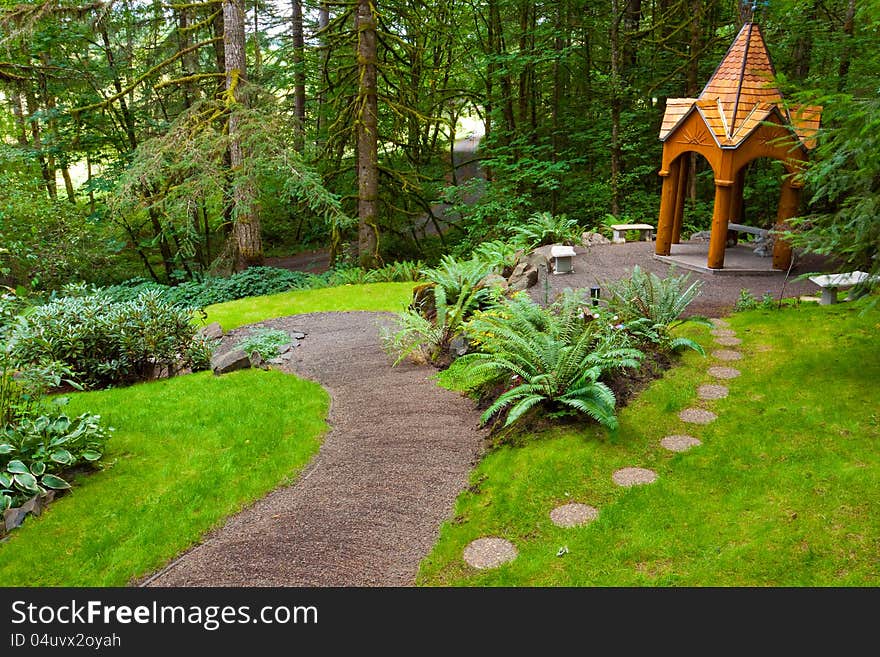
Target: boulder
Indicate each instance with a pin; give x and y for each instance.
(523, 277)
(256, 359)
(701, 236)
(589, 239)
(296, 335)
(493, 280)
(13, 518)
(212, 331)
(763, 246)
(458, 346)
(230, 361)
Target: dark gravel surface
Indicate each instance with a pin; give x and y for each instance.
(369, 506)
(606, 262)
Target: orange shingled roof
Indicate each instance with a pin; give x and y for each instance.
(740, 95)
(743, 79)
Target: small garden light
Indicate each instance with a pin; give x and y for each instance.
(594, 295)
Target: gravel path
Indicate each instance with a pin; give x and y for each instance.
(370, 505)
(607, 262)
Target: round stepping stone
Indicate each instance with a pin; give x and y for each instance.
(726, 354)
(723, 333)
(633, 477)
(679, 443)
(572, 515)
(728, 342)
(724, 372)
(711, 391)
(697, 416)
(489, 552)
(720, 323)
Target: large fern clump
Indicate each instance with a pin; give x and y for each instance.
(546, 228)
(427, 327)
(650, 307)
(551, 356)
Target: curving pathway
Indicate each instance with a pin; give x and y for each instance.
(369, 506)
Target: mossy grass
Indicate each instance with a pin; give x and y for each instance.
(187, 453)
(784, 491)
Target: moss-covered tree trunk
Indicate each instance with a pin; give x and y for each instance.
(367, 139)
(247, 241)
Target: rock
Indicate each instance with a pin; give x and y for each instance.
(13, 518)
(523, 277)
(493, 280)
(33, 505)
(283, 349)
(256, 359)
(459, 345)
(296, 335)
(287, 356)
(278, 360)
(763, 246)
(213, 331)
(537, 259)
(589, 239)
(701, 236)
(230, 361)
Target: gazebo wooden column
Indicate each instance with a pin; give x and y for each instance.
(666, 220)
(789, 202)
(720, 219)
(680, 193)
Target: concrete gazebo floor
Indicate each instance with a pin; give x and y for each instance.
(739, 260)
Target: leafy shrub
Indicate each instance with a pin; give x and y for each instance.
(264, 341)
(551, 356)
(747, 301)
(108, 343)
(650, 306)
(546, 228)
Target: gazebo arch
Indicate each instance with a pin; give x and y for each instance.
(738, 117)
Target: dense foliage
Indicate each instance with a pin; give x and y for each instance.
(553, 356)
(104, 342)
(38, 442)
(119, 126)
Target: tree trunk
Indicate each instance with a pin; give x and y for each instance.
(299, 75)
(615, 107)
(37, 144)
(247, 241)
(846, 55)
(693, 69)
(367, 141)
(18, 114)
(323, 22)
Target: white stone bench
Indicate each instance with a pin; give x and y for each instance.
(831, 283)
(646, 232)
(742, 228)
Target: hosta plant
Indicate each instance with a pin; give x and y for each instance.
(35, 451)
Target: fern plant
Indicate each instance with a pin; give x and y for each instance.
(546, 228)
(553, 357)
(456, 295)
(650, 307)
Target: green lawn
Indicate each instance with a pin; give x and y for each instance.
(187, 452)
(784, 491)
(392, 297)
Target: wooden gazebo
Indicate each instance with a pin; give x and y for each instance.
(738, 117)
